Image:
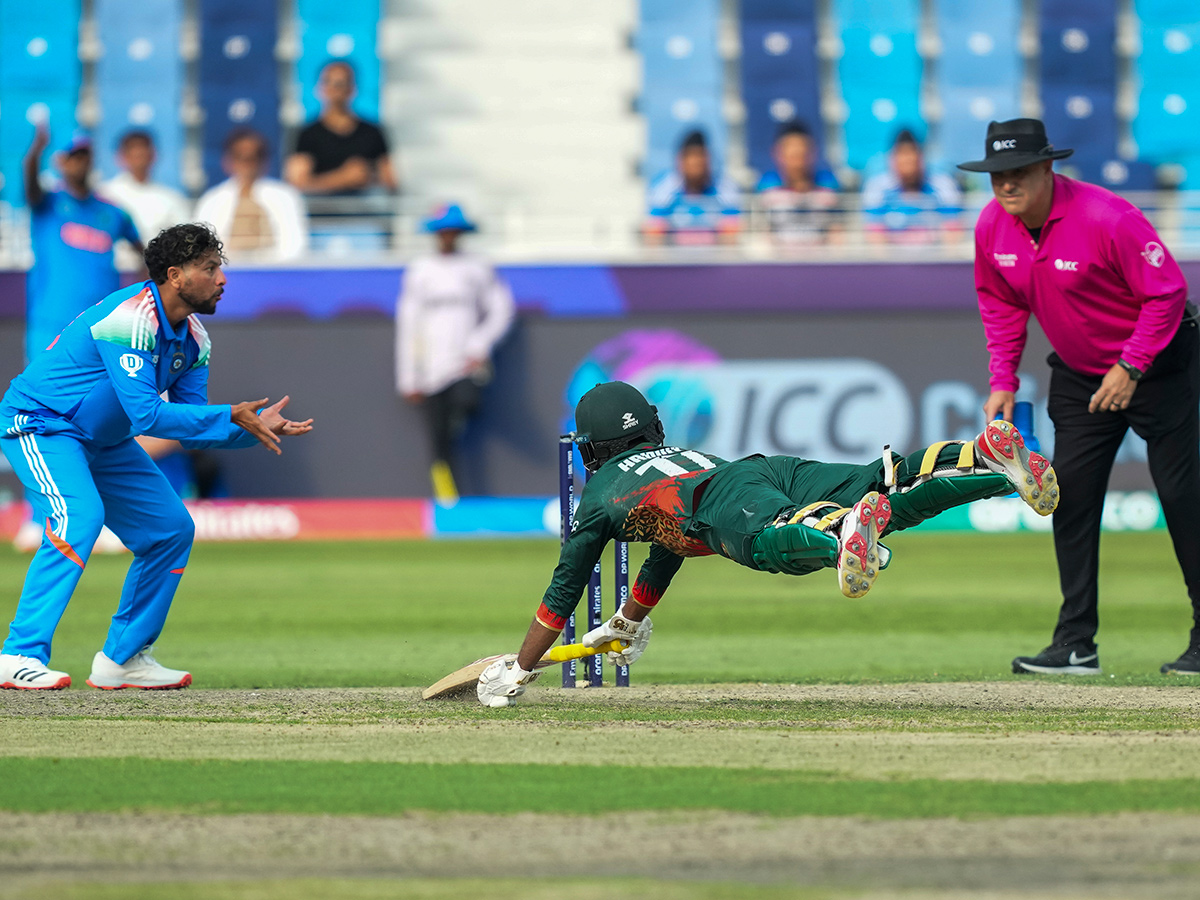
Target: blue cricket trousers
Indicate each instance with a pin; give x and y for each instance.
(75, 489)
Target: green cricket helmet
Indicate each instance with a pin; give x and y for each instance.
(611, 418)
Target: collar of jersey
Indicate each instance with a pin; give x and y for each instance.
(177, 334)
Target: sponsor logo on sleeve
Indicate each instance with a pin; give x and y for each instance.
(131, 363)
(1154, 254)
(1005, 260)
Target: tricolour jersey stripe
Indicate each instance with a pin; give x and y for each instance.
(132, 323)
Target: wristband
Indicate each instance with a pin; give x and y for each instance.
(1135, 374)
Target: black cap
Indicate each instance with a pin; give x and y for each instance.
(1013, 145)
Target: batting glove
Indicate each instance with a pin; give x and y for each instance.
(503, 682)
(618, 628)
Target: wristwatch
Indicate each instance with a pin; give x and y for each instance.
(1135, 374)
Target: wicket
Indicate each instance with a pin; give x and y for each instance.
(595, 591)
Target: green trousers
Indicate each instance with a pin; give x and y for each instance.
(748, 495)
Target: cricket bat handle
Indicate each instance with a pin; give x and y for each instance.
(567, 652)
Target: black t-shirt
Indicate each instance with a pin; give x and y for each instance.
(329, 149)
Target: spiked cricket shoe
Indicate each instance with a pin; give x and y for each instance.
(858, 561)
(24, 673)
(1004, 451)
(141, 671)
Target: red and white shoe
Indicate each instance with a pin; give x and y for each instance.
(1003, 450)
(141, 671)
(24, 673)
(858, 563)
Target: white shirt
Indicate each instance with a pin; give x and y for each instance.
(451, 312)
(152, 207)
(282, 204)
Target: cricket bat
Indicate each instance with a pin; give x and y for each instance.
(466, 677)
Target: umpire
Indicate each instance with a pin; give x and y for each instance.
(1113, 303)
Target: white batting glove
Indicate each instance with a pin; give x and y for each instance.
(503, 682)
(619, 628)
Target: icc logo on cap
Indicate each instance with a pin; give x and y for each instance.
(1010, 144)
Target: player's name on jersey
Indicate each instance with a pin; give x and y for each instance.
(626, 464)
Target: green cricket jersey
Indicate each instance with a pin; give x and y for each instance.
(644, 494)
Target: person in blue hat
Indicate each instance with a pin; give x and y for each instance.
(73, 233)
(451, 313)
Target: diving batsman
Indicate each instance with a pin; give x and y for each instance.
(771, 513)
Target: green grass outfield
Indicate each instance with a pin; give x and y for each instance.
(762, 699)
(950, 607)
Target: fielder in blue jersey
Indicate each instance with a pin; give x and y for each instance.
(72, 232)
(67, 425)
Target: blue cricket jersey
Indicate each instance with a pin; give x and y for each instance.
(73, 259)
(101, 380)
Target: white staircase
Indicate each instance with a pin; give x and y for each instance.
(521, 110)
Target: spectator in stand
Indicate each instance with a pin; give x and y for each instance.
(452, 312)
(153, 207)
(907, 204)
(258, 219)
(693, 204)
(799, 196)
(339, 153)
(72, 232)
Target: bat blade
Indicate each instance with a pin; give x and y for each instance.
(462, 681)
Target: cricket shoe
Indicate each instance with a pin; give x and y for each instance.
(141, 671)
(1003, 450)
(859, 560)
(24, 673)
(1076, 659)
(1188, 664)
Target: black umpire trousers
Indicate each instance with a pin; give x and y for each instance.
(447, 414)
(1165, 411)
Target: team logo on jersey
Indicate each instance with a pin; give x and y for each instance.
(1154, 254)
(1067, 265)
(131, 363)
(176, 362)
(629, 420)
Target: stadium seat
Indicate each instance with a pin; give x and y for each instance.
(1167, 123)
(680, 54)
(238, 77)
(979, 44)
(39, 46)
(669, 118)
(966, 112)
(880, 73)
(139, 81)
(339, 29)
(779, 82)
(777, 10)
(1079, 45)
(1083, 118)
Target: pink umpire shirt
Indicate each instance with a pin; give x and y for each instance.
(1100, 283)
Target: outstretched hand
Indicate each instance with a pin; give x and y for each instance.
(273, 418)
(245, 415)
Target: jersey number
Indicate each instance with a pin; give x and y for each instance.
(670, 469)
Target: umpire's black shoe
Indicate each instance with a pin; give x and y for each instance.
(1075, 659)
(1188, 664)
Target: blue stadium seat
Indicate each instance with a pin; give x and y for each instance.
(652, 11)
(670, 117)
(238, 77)
(1170, 54)
(777, 10)
(880, 73)
(983, 53)
(139, 81)
(1083, 118)
(680, 54)
(1078, 47)
(966, 112)
(16, 133)
(1164, 12)
(779, 82)
(39, 46)
(1168, 123)
(1112, 173)
(339, 29)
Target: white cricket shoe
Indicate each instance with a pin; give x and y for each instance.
(859, 557)
(141, 671)
(24, 673)
(1003, 450)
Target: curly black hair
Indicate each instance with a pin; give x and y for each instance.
(179, 245)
